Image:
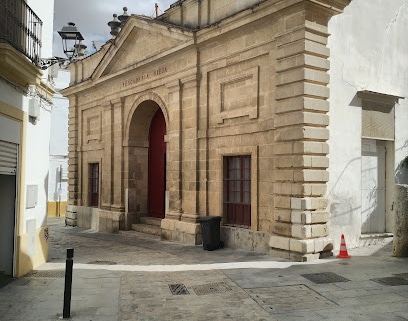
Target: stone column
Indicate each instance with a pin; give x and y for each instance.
(301, 120)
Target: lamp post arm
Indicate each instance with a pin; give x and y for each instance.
(45, 63)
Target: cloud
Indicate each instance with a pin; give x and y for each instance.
(92, 16)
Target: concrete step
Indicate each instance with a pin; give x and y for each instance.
(147, 229)
(150, 221)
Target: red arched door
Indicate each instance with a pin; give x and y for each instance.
(157, 165)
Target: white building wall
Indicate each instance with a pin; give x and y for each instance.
(57, 182)
(38, 133)
(368, 51)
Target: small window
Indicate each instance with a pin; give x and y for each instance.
(237, 190)
(94, 184)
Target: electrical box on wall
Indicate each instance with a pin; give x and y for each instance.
(32, 196)
(34, 108)
(64, 173)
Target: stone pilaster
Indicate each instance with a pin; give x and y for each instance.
(190, 149)
(107, 164)
(73, 132)
(173, 152)
(173, 165)
(117, 157)
(301, 120)
(181, 221)
(73, 176)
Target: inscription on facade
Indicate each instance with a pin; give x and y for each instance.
(135, 80)
(107, 90)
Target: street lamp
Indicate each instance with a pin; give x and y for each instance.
(71, 44)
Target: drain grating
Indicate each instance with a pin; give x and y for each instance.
(103, 262)
(211, 288)
(178, 289)
(325, 277)
(392, 280)
(47, 274)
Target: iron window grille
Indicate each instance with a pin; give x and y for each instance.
(237, 190)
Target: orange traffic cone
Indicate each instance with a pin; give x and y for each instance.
(343, 249)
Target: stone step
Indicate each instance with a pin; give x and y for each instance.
(150, 221)
(147, 229)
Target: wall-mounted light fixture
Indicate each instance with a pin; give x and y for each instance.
(71, 44)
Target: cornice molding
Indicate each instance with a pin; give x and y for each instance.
(15, 67)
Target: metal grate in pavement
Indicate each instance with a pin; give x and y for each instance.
(211, 288)
(103, 262)
(392, 281)
(46, 274)
(324, 277)
(178, 289)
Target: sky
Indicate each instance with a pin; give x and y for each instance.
(91, 17)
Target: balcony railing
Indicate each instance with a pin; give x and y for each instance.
(21, 28)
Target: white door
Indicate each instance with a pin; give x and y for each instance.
(373, 153)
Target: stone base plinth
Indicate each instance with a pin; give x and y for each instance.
(71, 215)
(180, 231)
(240, 238)
(301, 250)
(97, 219)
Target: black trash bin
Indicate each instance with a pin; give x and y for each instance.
(210, 228)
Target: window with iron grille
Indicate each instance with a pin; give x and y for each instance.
(94, 184)
(237, 190)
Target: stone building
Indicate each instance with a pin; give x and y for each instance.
(241, 109)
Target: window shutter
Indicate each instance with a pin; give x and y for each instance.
(8, 158)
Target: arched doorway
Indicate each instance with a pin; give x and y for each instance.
(157, 166)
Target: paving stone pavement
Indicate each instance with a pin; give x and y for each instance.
(132, 276)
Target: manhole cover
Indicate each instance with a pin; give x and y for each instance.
(325, 277)
(392, 280)
(103, 262)
(279, 299)
(178, 289)
(211, 288)
(47, 274)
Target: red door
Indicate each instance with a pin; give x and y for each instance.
(157, 163)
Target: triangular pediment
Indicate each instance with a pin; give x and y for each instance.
(141, 40)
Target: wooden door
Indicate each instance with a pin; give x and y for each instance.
(157, 163)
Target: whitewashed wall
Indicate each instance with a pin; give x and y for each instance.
(57, 188)
(368, 51)
(38, 134)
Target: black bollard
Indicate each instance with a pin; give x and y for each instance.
(66, 314)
